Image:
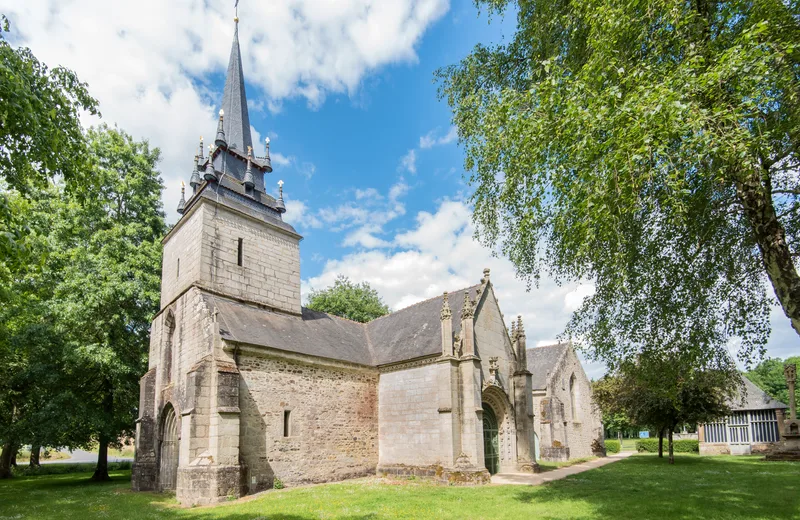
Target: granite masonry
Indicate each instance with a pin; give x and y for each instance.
(245, 386)
(567, 423)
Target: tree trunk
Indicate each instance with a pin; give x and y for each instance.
(101, 471)
(5, 461)
(671, 452)
(755, 194)
(34, 462)
(14, 456)
(661, 443)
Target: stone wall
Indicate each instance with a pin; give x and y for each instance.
(333, 421)
(409, 418)
(491, 340)
(206, 241)
(576, 429)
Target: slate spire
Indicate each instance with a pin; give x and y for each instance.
(234, 100)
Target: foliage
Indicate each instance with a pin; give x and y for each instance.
(76, 336)
(668, 390)
(612, 446)
(40, 133)
(66, 468)
(768, 376)
(357, 302)
(680, 446)
(635, 488)
(650, 148)
(277, 483)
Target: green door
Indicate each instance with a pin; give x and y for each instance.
(491, 443)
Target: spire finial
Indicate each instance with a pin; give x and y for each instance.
(249, 182)
(446, 312)
(194, 181)
(520, 329)
(200, 152)
(279, 205)
(236, 12)
(513, 330)
(467, 311)
(182, 202)
(210, 174)
(220, 140)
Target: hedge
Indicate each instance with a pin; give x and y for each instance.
(682, 446)
(60, 468)
(612, 446)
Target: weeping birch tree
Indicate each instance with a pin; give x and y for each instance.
(650, 147)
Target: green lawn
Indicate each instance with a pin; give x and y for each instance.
(641, 487)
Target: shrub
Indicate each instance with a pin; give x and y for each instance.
(277, 483)
(60, 469)
(612, 446)
(682, 446)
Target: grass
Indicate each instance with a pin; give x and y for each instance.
(640, 487)
(628, 445)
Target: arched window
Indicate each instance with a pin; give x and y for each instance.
(573, 397)
(169, 342)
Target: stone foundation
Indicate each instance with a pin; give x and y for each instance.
(144, 476)
(208, 484)
(451, 476)
(714, 448)
(555, 454)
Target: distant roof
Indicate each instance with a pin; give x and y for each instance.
(403, 335)
(755, 399)
(542, 362)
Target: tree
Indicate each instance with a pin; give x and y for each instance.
(668, 390)
(110, 274)
(357, 302)
(40, 133)
(649, 147)
(77, 335)
(768, 376)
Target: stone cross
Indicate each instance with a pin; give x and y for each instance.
(790, 372)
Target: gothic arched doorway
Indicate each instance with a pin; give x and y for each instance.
(168, 452)
(491, 440)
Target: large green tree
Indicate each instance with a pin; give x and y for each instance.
(668, 389)
(649, 147)
(354, 301)
(768, 375)
(80, 344)
(40, 133)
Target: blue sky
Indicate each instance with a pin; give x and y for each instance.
(373, 173)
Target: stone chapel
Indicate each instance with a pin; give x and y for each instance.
(245, 385)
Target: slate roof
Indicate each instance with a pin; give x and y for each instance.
(754, 399)
(410, 333)
(415, 331)
(236, 122)
(542, 362)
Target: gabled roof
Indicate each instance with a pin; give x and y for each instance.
(415, 331)
(754, 398)
(542, 362)
(410, 333)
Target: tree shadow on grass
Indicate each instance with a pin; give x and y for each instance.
(695, 487)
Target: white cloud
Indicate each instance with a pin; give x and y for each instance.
(280, 160)
(440, 254)
(409, 162)
(149, 62)
(363, 217)
(298, 215)
(574, 299)
(431, 139)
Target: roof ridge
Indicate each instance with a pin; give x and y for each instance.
(423, 301)
(560, 344)
(335, 316)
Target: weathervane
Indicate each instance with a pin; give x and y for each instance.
(236, 11)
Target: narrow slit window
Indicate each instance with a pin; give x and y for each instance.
(286, 417)
(239, 254)
(178, 270)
